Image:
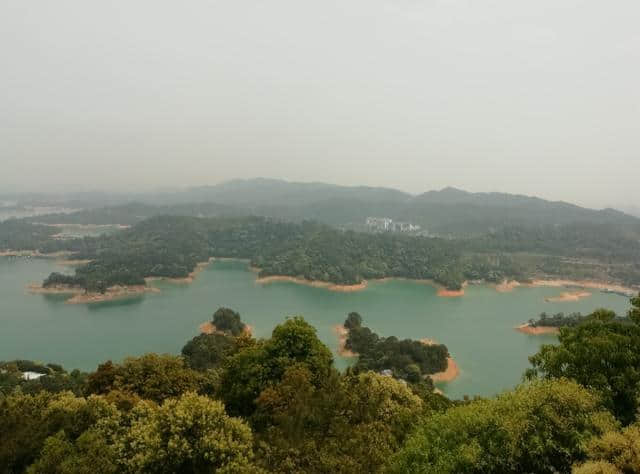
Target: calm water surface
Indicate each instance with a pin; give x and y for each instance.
(477, 329)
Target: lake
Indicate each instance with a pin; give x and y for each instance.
(477, 328)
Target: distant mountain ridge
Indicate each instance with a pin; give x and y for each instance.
(449, 211)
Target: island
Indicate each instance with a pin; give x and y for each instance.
(404, 359)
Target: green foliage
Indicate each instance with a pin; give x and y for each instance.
(634, 312)
(208, 351)
(54, 379)
(348, 424)
(407, 359)
(151, 376)
(561, 320)
(602, 354)
(541, 428)
(20, 235)
(191, 433)
(26, 421)
(301, 415)
(166, 246)
(228, 321)
(353, 321)
(613, 452)
(259, 365)
(89, 454)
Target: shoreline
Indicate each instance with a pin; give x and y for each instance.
(72, 263)
(450, 373)
(507, 285)
(364, 284)
(200, 266)
(85, 226)
(313, 283)
(587, 284)
(116, 292)
(36, 289)
(112, 293)
(526, 328)
(568, 296)
(79, 295)
(35, 254)
(209, 328)
(343, 334)
(510, 285)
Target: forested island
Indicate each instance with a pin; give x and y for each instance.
(172, 246)
(467, 236)
(551, 324)
(482, 237)
(232, 403)
(405, 359)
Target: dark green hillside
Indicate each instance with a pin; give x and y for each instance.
(450, 211)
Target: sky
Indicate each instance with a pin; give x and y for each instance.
(538, 97)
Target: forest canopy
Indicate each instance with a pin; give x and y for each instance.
(232, 403)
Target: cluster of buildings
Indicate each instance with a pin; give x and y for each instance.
(385, 224)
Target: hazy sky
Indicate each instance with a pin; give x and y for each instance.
(537, 97)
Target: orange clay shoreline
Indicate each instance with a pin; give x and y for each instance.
(450, 373)
(80, 296)
(188, 279)
(314, 283)
(510, 285)
(526, 328)
(209, 328)
(342, 334)
(122, 291)
(568, 296)
(442, 291)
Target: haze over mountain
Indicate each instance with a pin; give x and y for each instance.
(449, 211)
(507, 96)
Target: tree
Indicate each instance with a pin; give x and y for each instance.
(27, 421)
(151, 376)
(228, 321)
(539, 427)
(103, 379)
(208, 351)
(191, 433)
(614, 452)
(260, 365)
(89, 454)
(601, 354)
(347, 424)
(354, 320)
(634, 312)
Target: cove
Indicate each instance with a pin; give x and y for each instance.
(477, 328)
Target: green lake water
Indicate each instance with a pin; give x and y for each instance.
(477, 328)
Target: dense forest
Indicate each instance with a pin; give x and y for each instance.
(479, 236)
(168, 246)
(484, 236)
(20, 235)
(231, 403)
(562, 320)
(171, 246)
